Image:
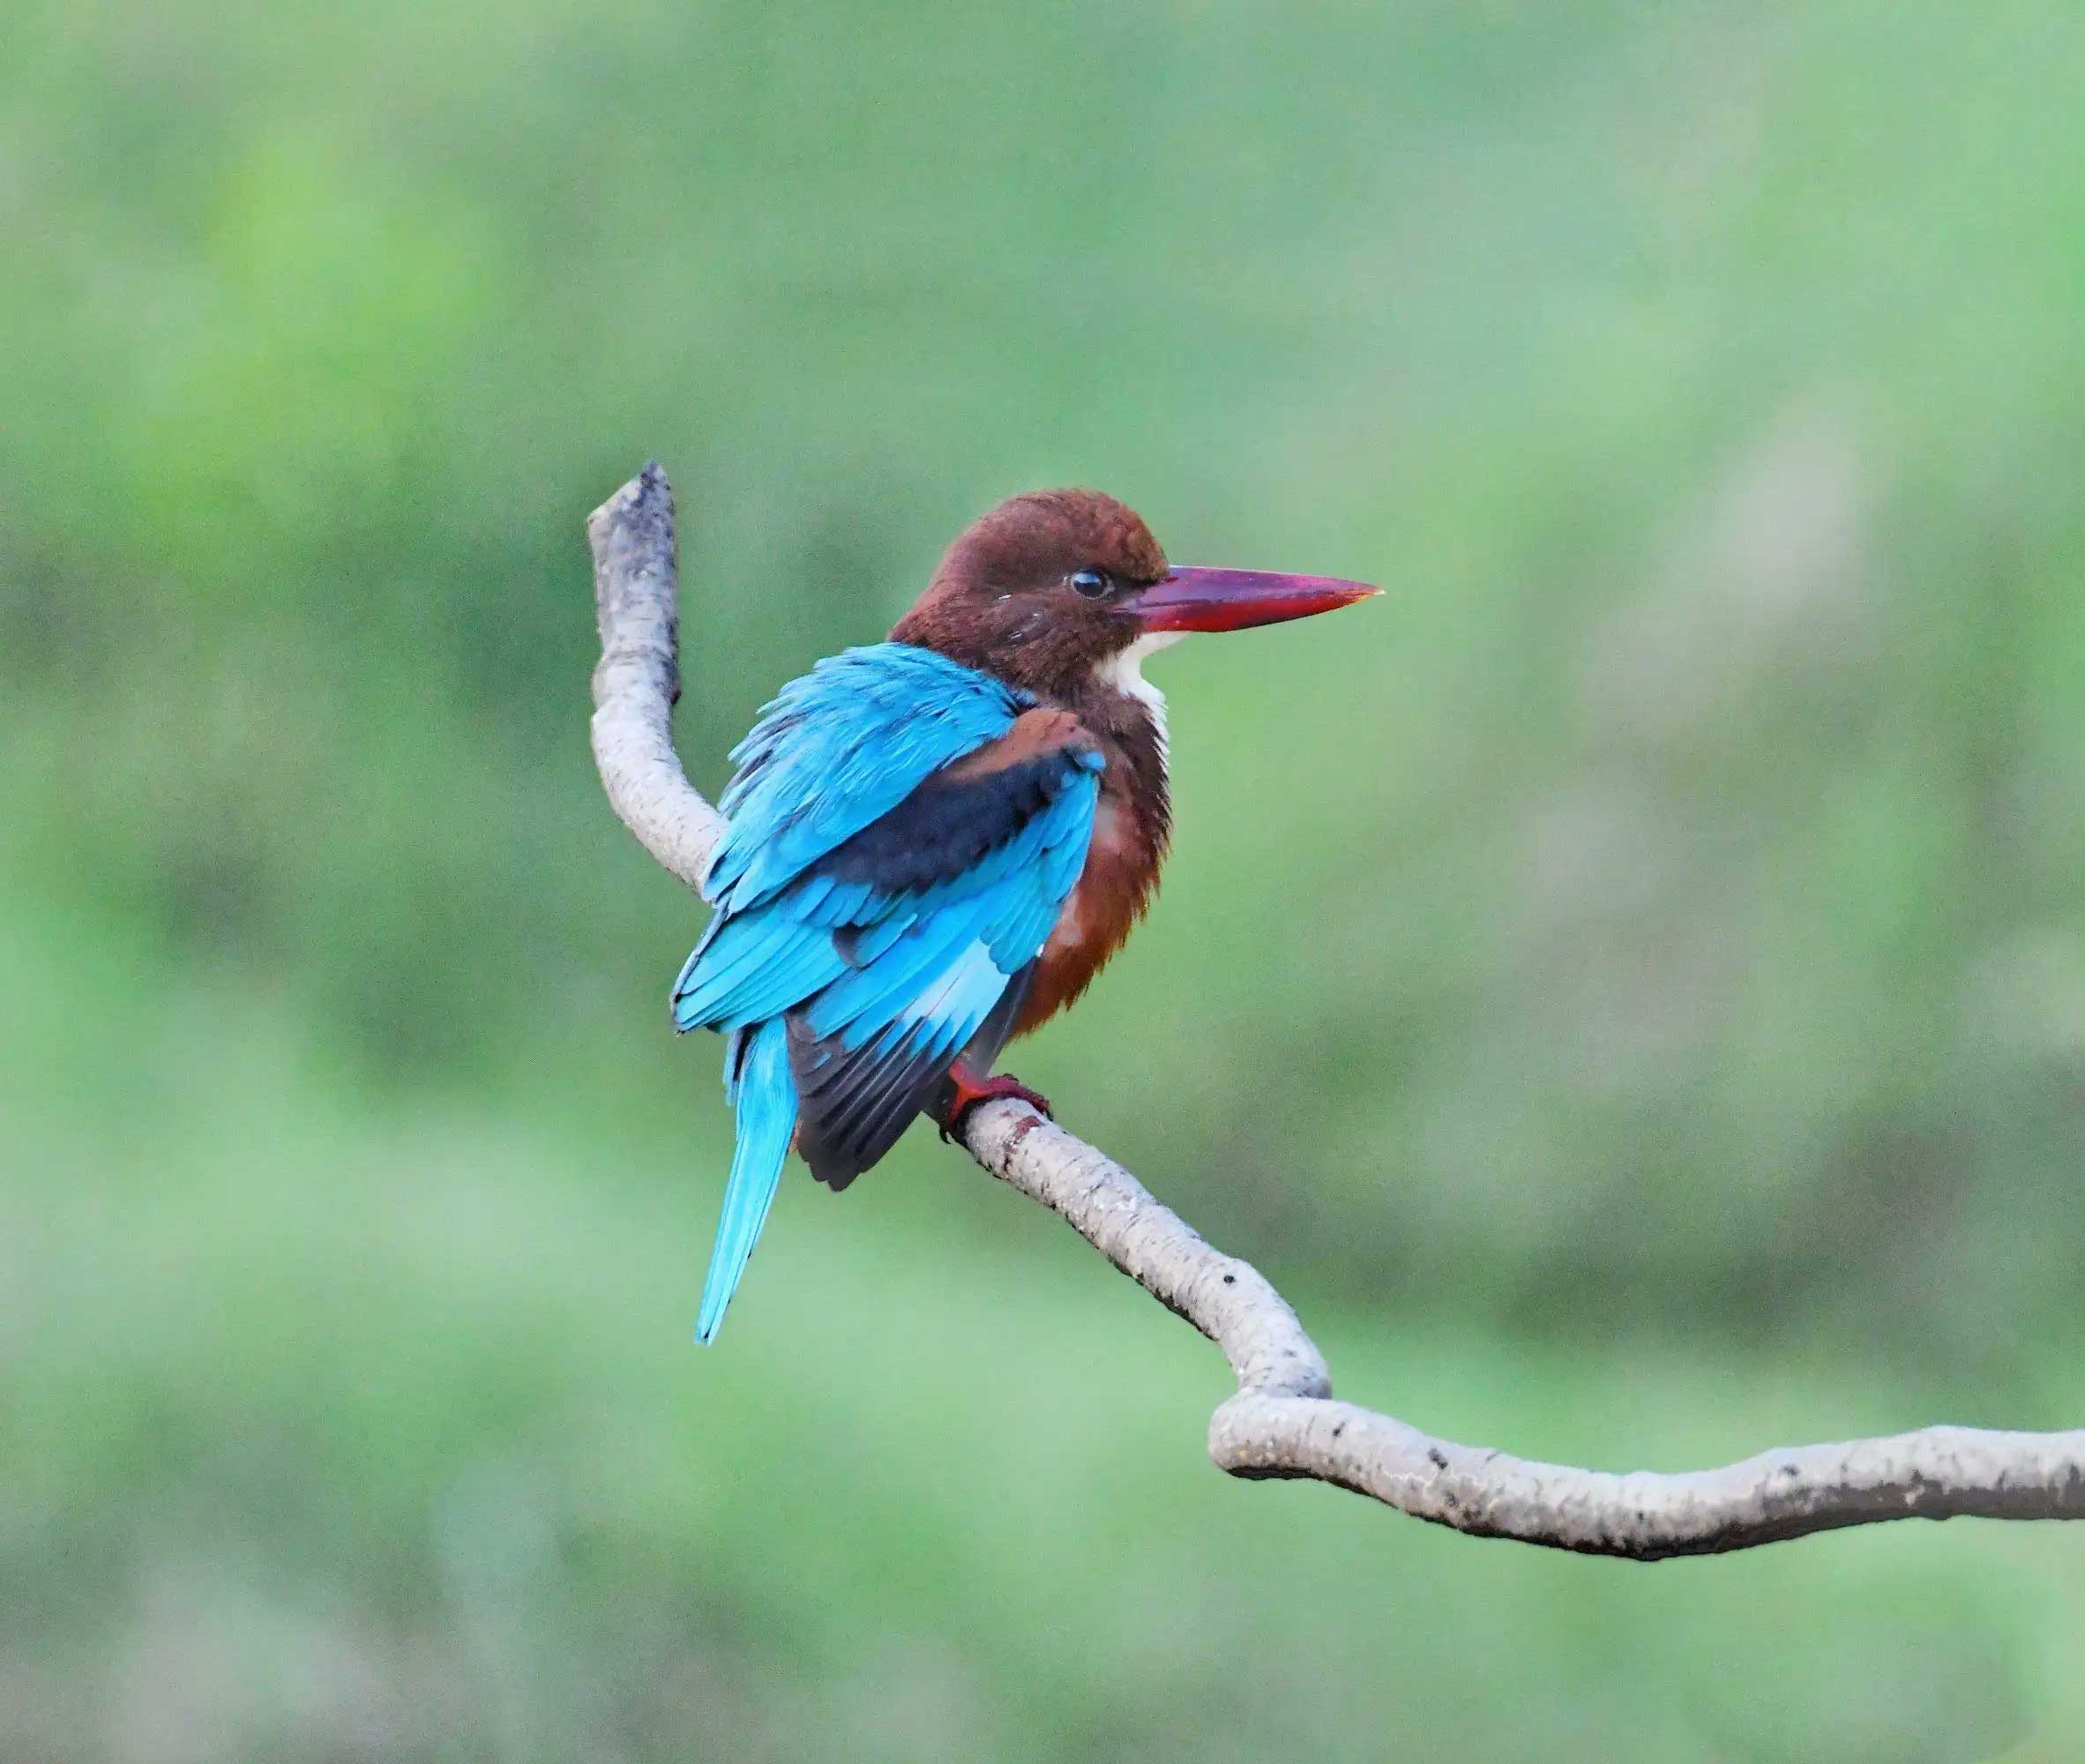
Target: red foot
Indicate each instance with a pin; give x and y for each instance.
(966, 1090)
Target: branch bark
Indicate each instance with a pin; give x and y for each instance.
(1284, 1422)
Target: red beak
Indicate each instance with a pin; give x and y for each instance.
(1233, 600)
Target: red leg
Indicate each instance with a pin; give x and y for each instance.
(966, 1090)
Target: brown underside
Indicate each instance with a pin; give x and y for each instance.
(1130, 832)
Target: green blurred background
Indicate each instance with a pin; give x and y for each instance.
(1627, 986)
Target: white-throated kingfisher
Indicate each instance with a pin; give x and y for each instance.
(936, 842)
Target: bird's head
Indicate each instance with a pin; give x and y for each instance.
(1054, 588)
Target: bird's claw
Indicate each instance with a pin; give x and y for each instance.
(965, 1092)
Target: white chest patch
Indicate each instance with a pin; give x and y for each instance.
(1124, 672)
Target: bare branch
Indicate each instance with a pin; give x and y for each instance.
(638, 680)
(1284, 1422)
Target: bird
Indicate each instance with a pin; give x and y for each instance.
(935, 842)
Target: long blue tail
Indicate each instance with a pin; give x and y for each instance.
(761, 1086)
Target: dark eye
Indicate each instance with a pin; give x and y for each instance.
(1091, 583)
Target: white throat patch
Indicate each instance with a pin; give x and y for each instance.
(1124, 671)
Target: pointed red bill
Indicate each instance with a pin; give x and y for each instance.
(1192, 599)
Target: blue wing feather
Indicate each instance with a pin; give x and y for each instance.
(840, 747)
(886, 924)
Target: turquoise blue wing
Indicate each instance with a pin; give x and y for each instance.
(905, 833)
(836, 749)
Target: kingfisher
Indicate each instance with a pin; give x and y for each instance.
(936, 842)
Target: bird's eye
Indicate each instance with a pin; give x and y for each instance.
(1091, 583)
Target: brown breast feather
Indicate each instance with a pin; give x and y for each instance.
(1131, 831)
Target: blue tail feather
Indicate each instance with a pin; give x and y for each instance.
(766, 1096)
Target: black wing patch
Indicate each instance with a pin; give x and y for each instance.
(854, 1105)
(948, 825)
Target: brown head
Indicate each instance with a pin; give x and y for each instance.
(1050, 588)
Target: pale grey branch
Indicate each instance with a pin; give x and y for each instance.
(638, 680)
(1284, 1422)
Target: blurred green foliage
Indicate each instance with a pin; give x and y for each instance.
(1628, 985)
